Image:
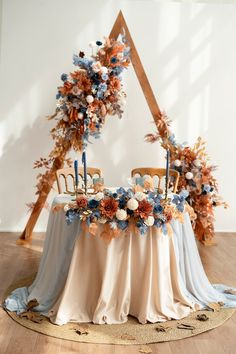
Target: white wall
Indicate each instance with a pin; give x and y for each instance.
(189, 53)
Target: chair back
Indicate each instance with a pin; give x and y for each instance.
(65, 177)
(160, 173)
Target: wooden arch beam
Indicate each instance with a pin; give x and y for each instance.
(118, 27)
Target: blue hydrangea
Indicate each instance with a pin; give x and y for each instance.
(105, 77)
(64, 77)
(71, 215)
(102, 87)
(93, 203)
(122, 224)
(158, 208)
(58, 95)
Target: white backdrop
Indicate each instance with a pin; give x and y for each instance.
(189, 53)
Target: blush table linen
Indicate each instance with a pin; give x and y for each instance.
(154, 277)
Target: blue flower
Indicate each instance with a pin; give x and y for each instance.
(114, 60)
(158, 222)
(93, 203)
(115, 195)
(117, 70)
(184, 193)
(64, 77)
(206, 188)
(102, 87)
(122, 202)
(58, 95)
(122, 224)
(105, 77)
(121, 190)
(143, 229)
(99, 43)
(158, 208)
(71, 215)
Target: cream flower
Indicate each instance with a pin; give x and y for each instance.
(121, 214)
(149, 221)
(76, 91)
(132, 204)
(96, 66)
(189, 175)
(99, 196)
(102, 220)
(104, 69)
(197, 163)
(89, 99)
(139, 196)
(80, 115)
(66, 207)
(177, 163)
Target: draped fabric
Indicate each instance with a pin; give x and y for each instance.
(154, 277)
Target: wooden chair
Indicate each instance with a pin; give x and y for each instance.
(68, 174)
(160, 173)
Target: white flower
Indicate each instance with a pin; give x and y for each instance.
(149, 221)
(65, 118)
(89, 99)
(189, 175)
(120, 55)
(80, 115)
(99, 196)
(102, 220)
(121, 214)
(139, 196)
(104, 70)
(66, 207)
(96, 66)
(177, 163)
(197, 163)
(132, 204)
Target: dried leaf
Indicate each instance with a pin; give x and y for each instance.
(215, 306)
(230, 291)
(145, 349)
(82, 329)
(32, 316)
(162, 328)
(185, 326)
(127, 336)
(32, 303)
(202, 317)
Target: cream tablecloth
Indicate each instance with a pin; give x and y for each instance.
(81, 278)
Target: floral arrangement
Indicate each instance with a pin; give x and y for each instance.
(195, 176)
(119, 208)
(87, 96)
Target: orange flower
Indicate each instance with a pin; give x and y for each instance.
(81, 202)
(114, 83)
(144, 209)
(108, 207)
(66, 88)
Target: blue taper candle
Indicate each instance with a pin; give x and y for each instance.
(85, 170)
(76, 173)
(167, 171)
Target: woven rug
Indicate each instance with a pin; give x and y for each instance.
(129, 333)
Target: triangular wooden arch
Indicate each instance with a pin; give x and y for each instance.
(119, 25)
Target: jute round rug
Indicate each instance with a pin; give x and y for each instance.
(129, 333)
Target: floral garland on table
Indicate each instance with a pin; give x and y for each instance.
(118, 209)
(196, 177)
(88, 95)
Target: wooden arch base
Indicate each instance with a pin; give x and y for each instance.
(119, 25)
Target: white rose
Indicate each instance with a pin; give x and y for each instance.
(139, 196)
(149, 221)
(121, 214)
(66, 207)
(80, 115)
(99, 196)
(132, 204)
(197, 163)
(189, 175)
(177, 163)
(89, 99)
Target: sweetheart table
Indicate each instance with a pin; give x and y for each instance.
(154, 277)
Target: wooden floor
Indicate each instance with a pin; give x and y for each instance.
(18, 262)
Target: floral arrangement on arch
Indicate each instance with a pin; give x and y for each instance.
(118, 209)
(87, 96)
(196, 176)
